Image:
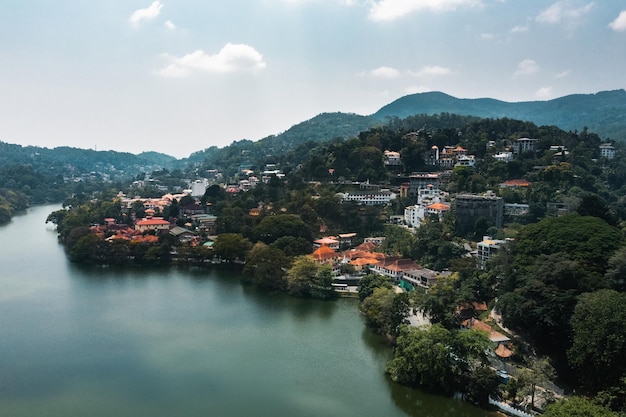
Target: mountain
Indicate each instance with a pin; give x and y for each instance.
(603, 113)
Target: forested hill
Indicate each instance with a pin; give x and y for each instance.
(603, 113)
(69, 162)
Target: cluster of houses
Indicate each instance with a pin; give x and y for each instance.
(407, 275)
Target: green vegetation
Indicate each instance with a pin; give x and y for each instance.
(558, 283)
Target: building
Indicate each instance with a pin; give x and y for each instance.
(515, 183)
(423, 277)
(470, 207)
(465, 161)
(503, 156)
(607, 151)
(420, 180)
(413, 215)
(486, 249)
(391, 158)
(369, 198)
(437, 209)
(152, 223)
(198, 187)
(522, 145)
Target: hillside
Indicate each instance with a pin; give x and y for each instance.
(603, 113)
(70, 162)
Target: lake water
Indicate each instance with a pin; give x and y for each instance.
(180, 342)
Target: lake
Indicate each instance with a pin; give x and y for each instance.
(180, 342)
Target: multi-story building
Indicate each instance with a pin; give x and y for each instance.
(522, 145)
(607, 151)
(486, 249)
(369, 198)
(470, 207)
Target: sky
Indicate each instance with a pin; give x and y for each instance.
(179, 76)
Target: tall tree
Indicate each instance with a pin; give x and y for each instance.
(598, 352)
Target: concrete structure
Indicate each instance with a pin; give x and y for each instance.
(421, 180)
(198, 187)
(153, 223)
(470, 207)
(607, 151)
(522, 145)
(504, 156)
(486, 249)
(369, 198)
(413, 215)
(391, 158)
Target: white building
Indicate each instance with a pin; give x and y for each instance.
(198, 187)
(607, 151)
(369, 198)
(413, 215)
(504, 156)
(487, 248)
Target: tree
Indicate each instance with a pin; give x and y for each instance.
(616, 271)
(306, 278)
(480, 385)
(440, 302)
(273, 227)
(231, 247)
(386, 310)
(322, 284)
(300, 276)
(598, 351)
(539, 372)
(292, 246)
(577, 407)
(267, 266)
(370, 282)
(440, 360)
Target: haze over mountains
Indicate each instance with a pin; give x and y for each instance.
(603, 113)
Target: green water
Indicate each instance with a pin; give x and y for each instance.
(180, 342)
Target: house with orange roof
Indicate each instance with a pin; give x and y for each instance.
(327, 241)
(438, 209)
(394, 267)
(495, 337)
(152, 223)
(325, 254)
(515, 183)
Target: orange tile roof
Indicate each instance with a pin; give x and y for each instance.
(152, 222)
(439, 206)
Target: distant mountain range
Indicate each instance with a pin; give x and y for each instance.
(603, 113)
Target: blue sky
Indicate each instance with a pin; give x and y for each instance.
(178, 76)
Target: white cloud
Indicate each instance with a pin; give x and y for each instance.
(526, 67)
(563, 11)
(385, 10)
(169, 25)
(385, 72)
(148, 13)
(619, 24)
(231, 58)
(563, 74)
(544, 93)
(487, 36)
(431, 70)
(519, 29)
